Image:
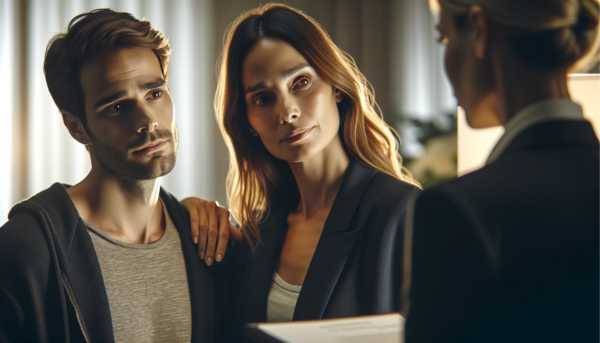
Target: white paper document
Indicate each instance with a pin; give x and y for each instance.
(378, 328)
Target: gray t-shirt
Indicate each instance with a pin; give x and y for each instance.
(147, 287)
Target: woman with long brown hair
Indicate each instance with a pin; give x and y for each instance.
(509, 253)
(315, 178)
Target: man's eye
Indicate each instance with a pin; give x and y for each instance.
(156, 94)
(116, 107)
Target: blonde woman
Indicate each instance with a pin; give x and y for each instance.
(509, 253)
(315, 178)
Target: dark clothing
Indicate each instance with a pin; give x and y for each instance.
(356, 268)
(509, 253)
(51, 286)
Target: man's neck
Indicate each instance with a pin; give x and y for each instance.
(124, 208)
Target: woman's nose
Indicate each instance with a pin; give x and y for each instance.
(289, 112)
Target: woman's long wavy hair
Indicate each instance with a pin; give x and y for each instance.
(256, 178)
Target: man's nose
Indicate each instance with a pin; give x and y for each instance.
(145, 119)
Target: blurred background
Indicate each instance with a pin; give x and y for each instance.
(393, 42)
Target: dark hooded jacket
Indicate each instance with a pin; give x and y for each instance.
(51, 286)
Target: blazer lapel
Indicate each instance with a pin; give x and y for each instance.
(335, 244)
(259, 272)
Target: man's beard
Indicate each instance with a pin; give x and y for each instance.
(115, 160)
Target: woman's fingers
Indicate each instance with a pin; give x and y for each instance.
(192, 209)
(202, 229)
(213, 231)
(223, 233)
(210, 228)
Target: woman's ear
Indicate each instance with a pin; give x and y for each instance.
(75, 127)
(253, 132)
(339, 95)
(480, 26)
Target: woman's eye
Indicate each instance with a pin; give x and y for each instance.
(261, 100)
(303, 82)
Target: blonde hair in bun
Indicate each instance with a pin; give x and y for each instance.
(549, 33)
(590, 34)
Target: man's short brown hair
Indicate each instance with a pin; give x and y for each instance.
(100, 31)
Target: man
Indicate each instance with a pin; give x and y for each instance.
(110, 258)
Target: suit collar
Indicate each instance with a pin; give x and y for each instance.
(537, 113)
(336, 242)
(559, 133)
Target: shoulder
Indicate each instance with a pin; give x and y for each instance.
(442, 220)
(442, 199)
(177, 212)
(391, 185)
(454, 200)
(34, 229)
(20, 230)
(385, 191)
(475, 188)
(24, 248)
(385, 205)
(448, 215)
(27, 224)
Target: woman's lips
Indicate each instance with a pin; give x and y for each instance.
(298, 135)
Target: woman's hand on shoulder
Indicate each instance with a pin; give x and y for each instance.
(211, 228)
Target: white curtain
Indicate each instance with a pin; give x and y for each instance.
(420, 87)
(36, 149)
(418, 75)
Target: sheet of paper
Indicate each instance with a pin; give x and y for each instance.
(379, 328)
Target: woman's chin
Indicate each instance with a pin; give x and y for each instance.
(482, 117)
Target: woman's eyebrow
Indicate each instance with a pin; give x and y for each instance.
(295, 70)
(255, 88)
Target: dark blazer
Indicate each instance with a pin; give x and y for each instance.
(509, 253)
(51, 286)
(357, 265)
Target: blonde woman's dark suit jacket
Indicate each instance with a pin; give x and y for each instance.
(509, 253)
(357, 265)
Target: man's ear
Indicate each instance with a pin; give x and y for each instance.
(339, 95)
(480, 29)
(75, 127)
